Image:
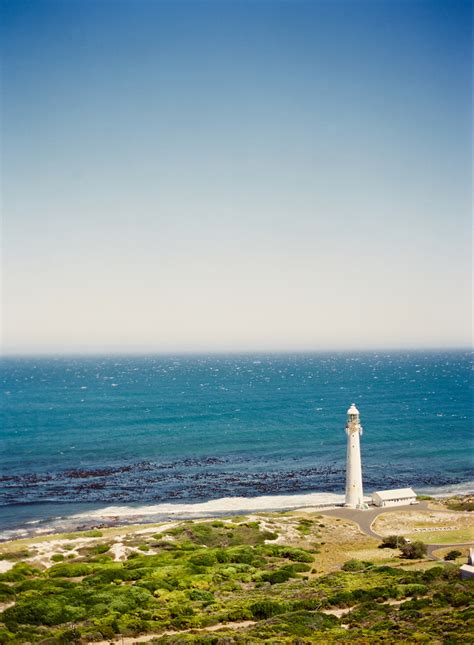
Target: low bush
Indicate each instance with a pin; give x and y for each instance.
(98, 549)
(203, 559)
(205, 597)
(20, 571)
(453, 555)
(356, 565)
(267, 608)
(70, 570)
(6, 593)
(287, 552)
(278, 576)
(414, 550)
(392, 542)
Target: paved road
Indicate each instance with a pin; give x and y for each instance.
(366, 518)
(434, 547)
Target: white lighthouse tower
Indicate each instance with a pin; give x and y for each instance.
(354, 493)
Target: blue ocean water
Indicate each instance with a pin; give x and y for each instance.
(86, 432)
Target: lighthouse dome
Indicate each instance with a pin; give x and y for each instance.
(353, 409)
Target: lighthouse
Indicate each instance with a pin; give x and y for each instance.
(354, 493)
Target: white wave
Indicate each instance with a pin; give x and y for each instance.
(465, 488)
(13, 534)
(223, 505)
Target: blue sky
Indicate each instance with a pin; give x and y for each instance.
(193, 176)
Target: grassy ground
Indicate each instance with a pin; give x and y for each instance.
(462, 559)
(432, 527)
(443, 537)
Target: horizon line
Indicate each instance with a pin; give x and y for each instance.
(227, 352)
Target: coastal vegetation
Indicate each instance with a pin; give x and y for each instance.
(414, 550)
(237, 580)
(392, 542)
(461, 503)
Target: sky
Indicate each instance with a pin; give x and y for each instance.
(235, 175)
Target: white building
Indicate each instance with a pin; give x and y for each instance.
(467, 570)
(395, 497)
(354, 492)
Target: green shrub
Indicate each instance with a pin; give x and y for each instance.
(131, 625)
(416, 603)
(6, 636)
(461, 505)
(414, 550)
(203, 559)
(37, 610)
(432, 574)
(453, 555)
(242, 554)
(69, 636)
(267, 608)
(302, 625)
(203, 534)
(203, 596)
(414, 589)
(70, 570)
(6, 593)
(239, 613)
(222, 555)
(297, 567)
(15, 555)
(304, 526)
(110, 573)
(98, 549)
(20, 571)
(278, 576)
(356, 565)
(287, 552)
(392, 542)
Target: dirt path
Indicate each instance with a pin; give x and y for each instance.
(342, 612)
(146, 638)
(6, 565)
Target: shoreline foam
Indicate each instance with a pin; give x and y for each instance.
(221, 505)
(118, 515)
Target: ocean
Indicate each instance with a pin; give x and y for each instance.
(100, 439)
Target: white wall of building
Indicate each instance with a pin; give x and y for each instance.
(400, 497)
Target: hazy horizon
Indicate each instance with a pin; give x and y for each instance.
(146, 352)
(202, 177)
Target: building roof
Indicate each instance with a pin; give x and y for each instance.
(395, 493)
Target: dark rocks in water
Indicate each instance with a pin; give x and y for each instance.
(96, 472)
(199, 478)
(91, 486)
